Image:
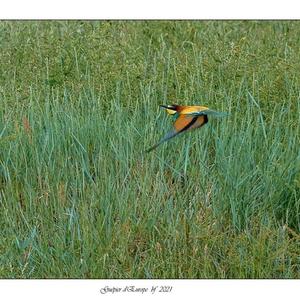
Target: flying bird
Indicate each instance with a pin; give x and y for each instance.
(186, 119)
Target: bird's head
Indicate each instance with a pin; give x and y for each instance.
(171, 109)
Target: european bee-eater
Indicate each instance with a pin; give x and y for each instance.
(186, 118)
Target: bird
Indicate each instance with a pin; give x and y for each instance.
(186, 118)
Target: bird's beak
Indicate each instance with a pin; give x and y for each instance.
(171, 109)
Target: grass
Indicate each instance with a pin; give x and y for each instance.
(79, 105)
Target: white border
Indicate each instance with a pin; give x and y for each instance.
(154, 9)
(150, 9)
(246, 289)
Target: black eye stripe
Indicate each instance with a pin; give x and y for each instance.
(171, 107)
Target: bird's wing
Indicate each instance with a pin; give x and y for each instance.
(168, 136)
(183, 123)
(201, 120)
(208, 112)
(192, 109)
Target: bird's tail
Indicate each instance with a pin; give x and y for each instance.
(216, 113)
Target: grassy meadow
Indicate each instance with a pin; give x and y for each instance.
(79, 105)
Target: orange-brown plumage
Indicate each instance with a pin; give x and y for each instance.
(187, 118)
